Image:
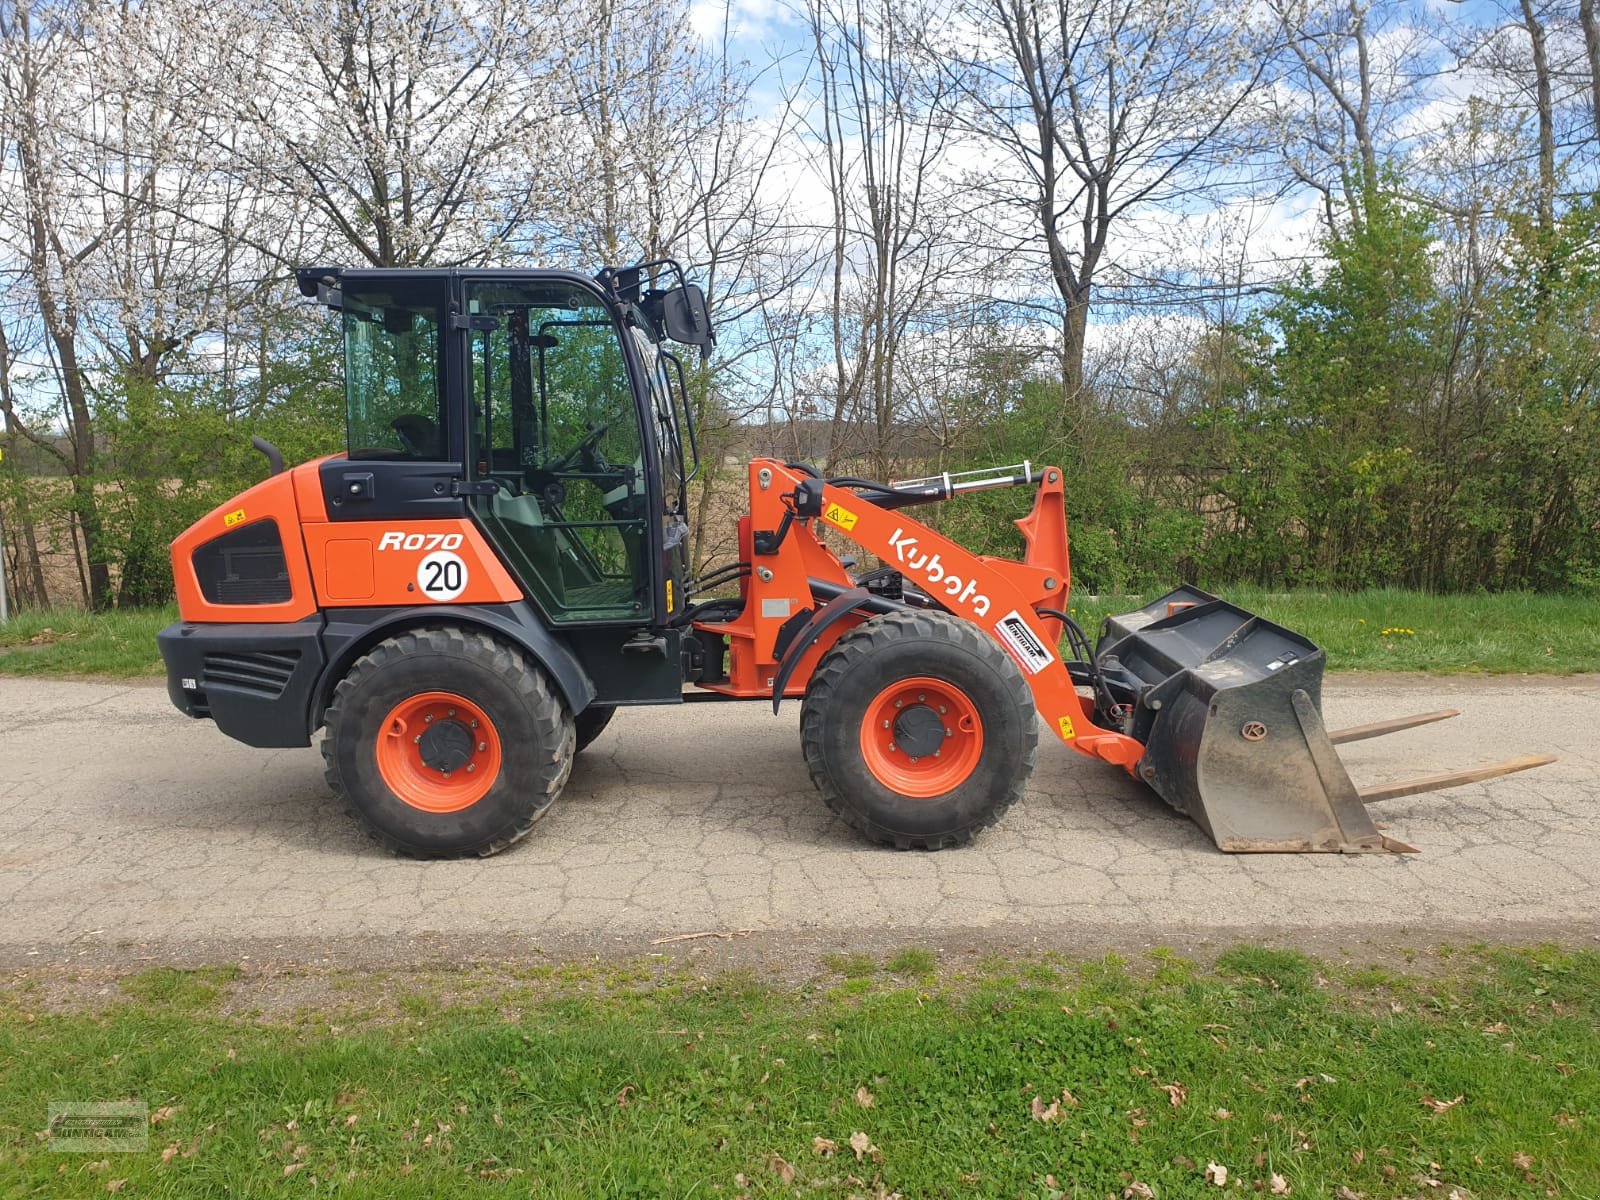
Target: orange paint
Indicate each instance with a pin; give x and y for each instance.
(926, 775)
(273, 499)
(392, 564)
(399, 752)
(997, 595)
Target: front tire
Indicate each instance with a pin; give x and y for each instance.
(918, 730)
(445, 743)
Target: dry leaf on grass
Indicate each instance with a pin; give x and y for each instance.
(1046, 1112)
(1138, 1191)
(1222, 1114)
(1279, 1186)
(116, 1185)
(862, 1145)
(823, 1147)
(624, 1097)
(163, 1114)
(780, 1168)
(1522, 1161)
(1440, 1106)
(1217, 1173)
(1176, 1093)
(864, 1097)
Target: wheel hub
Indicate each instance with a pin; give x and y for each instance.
(918, 730)
(438, 752)
(921, 736)
(446, 746)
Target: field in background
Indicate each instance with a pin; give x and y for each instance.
(1472, 1074)
(1375, 630)
(1384, 629)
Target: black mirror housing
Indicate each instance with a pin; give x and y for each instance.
(685, 318)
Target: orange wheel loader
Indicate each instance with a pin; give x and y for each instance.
(498, 562)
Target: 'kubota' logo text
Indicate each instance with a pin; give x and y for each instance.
(934, 572)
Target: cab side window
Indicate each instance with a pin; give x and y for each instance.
(555, 426)
(393, 389)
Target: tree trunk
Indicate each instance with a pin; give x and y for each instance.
(1591, 43)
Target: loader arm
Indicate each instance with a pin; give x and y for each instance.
(997, 595)
(790, 565)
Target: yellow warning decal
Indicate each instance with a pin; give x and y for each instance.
(1066, 728)
(669, 595)
(837, 514)
(236, 517)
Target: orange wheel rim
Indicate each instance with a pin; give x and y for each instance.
(921, 737)
(438, 752)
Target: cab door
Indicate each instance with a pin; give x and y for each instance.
(554, 425)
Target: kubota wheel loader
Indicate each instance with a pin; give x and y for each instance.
(498, 562)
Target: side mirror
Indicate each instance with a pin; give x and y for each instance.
(684, 317)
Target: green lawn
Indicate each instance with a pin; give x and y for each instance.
(1379, 630)
(69, 641)
(1035, 1078)
(1385, 629)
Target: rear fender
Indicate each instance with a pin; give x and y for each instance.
(351, 632)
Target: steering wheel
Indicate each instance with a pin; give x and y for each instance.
(584, 449)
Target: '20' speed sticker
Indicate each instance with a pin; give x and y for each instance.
(442, 575)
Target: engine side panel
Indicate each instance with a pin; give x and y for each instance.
(382, 563)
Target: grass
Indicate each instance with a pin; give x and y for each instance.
(1379, 630)
(120, 645)
(1035, 1078)
(1386, 629)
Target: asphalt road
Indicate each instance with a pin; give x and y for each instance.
(129, 830)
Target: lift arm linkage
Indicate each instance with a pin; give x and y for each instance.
(998, 595)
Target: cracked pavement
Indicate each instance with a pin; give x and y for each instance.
(126, 828)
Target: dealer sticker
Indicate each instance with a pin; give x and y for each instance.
(1023, 642)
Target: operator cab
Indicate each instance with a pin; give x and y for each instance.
(547, 404)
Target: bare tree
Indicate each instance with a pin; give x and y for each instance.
(44, 221)
(1093, 112)
(1591, 43)
(881, 148)
(410, 129)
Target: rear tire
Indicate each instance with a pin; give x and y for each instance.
(918, 730)
(445, 743)
(591, 721)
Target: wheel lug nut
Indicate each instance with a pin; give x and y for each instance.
(418, 738)
(452, 712)
(474, 723)
(428, 720)
(913, 759)
(941, 710)
(921, 698)
(936, 753)
(472, 766)
(899, 703)
(482, 746)
(948, 732)
(892, 746)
